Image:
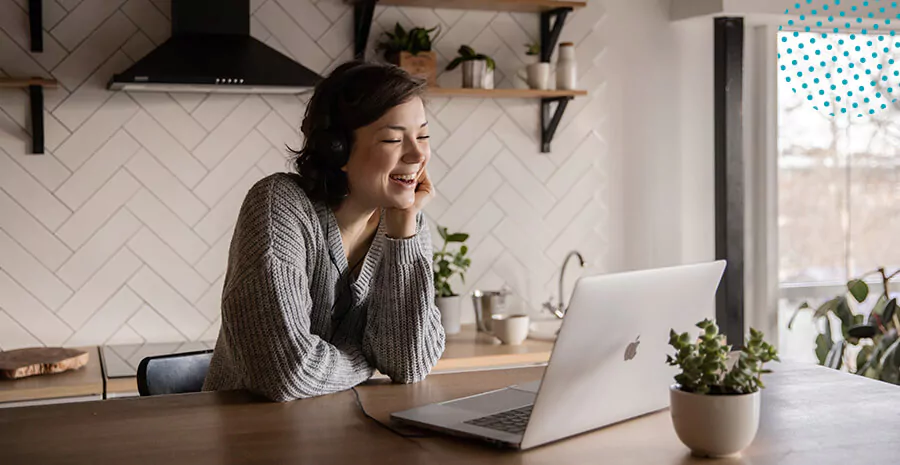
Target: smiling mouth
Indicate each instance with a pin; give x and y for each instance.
(406, 180)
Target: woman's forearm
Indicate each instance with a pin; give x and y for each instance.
(404, 338)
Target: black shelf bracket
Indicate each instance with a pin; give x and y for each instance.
(35, 23)
(549, 124)
(36, 93)
(362, 24)
(549, 36)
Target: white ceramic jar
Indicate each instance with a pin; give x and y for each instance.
(566, 68)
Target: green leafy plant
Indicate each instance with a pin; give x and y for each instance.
(413, 41)
(447, 263)
(467, 53)
(533, 49)
(867, 345)
(704, 362)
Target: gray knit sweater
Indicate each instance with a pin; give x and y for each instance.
(295, 323)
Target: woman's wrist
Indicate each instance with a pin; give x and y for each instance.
(400, 224)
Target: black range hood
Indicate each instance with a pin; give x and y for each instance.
(211, 51)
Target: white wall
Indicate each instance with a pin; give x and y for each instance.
(697, 137)
(664, 135)
(120, 232)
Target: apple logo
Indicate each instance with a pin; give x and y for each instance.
(631, 350)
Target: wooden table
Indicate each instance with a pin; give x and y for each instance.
(85, 383)
(811, 415)
(466, 351)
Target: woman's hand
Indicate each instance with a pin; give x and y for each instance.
(401, 223)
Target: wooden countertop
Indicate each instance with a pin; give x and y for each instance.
(471, 350)
(810, 415)
(465, 351)
(86, 381)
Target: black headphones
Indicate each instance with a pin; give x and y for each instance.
(336, 141)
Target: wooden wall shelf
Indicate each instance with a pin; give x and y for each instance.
(522, 6)
(35, 86)
(553, 17)
(503, 93)
(28, 82)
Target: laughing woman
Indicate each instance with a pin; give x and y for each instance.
(329, 272)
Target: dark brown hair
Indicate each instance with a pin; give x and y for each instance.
(354, 95)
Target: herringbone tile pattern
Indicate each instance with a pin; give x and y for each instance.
(120, 232)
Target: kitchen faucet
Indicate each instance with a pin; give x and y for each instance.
(560, 308)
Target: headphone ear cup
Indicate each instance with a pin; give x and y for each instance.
(339, 150)
(337, 147)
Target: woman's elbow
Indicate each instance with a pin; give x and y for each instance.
(415, 371)
(408, 376)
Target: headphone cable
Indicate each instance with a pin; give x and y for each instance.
(379, 423)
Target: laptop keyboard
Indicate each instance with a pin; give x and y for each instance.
(510, 421)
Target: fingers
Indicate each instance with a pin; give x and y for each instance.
(423, 174)
(424, 181)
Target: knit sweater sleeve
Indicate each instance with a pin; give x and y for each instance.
(404, 337)
(266, 308)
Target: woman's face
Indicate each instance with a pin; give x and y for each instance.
(388, 157)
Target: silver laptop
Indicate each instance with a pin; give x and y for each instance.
(608, 363)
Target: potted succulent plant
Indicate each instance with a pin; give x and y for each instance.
(448, 263)
(411, 50)
(715, 410)
(478, 68)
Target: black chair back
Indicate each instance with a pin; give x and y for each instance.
(174, 373)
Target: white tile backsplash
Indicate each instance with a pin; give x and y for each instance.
(99, 288)
(30, 234)
(96, 211)
(165, 224)
(108, 239)
(166, 187)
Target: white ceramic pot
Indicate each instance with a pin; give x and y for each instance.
(714, 426)
(450, 313)
(476, 75)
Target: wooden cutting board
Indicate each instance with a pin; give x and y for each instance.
(21, 363)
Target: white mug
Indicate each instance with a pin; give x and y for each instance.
(511, 329)
(538, 76)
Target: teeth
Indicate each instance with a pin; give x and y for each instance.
(404, 177)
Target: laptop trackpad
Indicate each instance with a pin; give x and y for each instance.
(493, 402)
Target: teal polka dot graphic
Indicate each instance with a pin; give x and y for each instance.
(840, 55)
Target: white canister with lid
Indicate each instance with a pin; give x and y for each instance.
(566, 68)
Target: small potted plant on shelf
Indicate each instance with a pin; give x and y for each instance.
(537, 73)
(478, 68)
(411, 50)
(533, 50)
(448, 263)
(715, 410)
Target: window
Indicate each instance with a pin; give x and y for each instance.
(838, 176)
